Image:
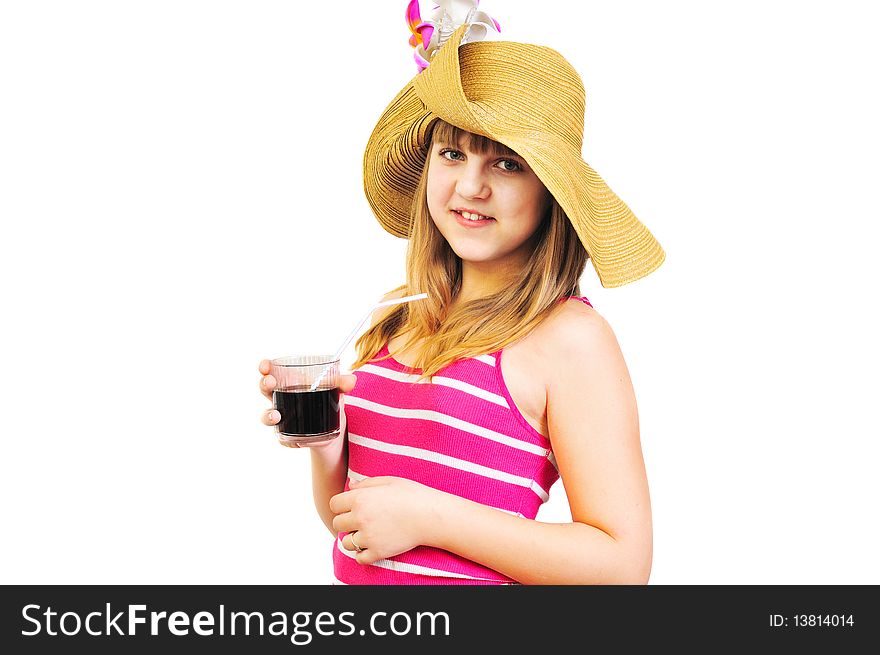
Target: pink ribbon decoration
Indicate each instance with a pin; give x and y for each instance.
(429, 35)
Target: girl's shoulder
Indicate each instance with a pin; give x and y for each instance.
(574, 329)
(570, 313)
(572, 336)
(562, 327)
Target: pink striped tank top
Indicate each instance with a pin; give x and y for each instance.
(462, 434)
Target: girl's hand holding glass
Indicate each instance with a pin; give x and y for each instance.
(272, 417)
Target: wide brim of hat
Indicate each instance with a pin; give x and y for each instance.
(620, 247)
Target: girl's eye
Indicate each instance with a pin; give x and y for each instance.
(509, 165)
(457, 154)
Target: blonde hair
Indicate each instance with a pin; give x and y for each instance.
(486, 324)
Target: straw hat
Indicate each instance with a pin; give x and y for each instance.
(529, 98)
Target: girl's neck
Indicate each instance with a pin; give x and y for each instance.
(479, 280)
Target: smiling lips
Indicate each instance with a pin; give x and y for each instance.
(471, 219)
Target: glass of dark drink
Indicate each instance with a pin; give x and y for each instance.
(307, 397)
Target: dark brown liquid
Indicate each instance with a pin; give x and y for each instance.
(307, 412)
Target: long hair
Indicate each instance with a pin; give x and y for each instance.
(486, 324)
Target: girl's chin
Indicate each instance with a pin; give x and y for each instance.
(474, 256)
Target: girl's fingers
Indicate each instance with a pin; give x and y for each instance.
(347, 382)
(265, 367)
(267, 385)
(348, 542)
(270, 417)
(344, 522)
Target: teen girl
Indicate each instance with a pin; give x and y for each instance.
(463, 409)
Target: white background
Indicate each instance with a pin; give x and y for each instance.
(181, 196)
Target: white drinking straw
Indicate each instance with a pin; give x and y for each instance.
(384, 303)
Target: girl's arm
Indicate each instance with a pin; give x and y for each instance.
(329, 471)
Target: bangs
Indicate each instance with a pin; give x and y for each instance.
(450, 135)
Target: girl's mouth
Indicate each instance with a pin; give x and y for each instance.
(472, 220)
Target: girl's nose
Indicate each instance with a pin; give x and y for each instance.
(472, 183)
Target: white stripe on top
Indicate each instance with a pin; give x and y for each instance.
(452, 462)
(451, 421)
(403, 567)
(486, 359)
(452, 383)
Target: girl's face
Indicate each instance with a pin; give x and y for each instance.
(501, 188)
